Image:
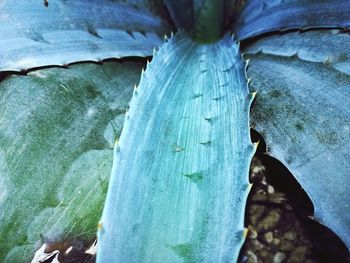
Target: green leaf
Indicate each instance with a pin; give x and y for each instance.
(57, 131)
(71, 31)
(261, 17)
(302, 111)
(180, 178)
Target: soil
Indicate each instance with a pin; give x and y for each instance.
(279, 221)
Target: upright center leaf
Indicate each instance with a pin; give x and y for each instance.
(180, 178)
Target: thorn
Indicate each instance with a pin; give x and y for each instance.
(233, 36)
(245, 232)
(327, 60)
(250, 185)
(255, 145)
(130, 33)
(253, 94)
(147, 63)
(154, 51)
(116, 143)
(249, 80)
(247, 63)
(207, 143)
(135, 89)
(165, 37)
(178, 148)
(171, 34)
(143, 33)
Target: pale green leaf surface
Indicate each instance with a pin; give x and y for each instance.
(57, 131)
(302, 111)
(180, 178)
(32, 35)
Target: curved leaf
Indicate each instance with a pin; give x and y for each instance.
(34, 35)
(57, 130)
(261, 16)
(180, 178)
(302, 110)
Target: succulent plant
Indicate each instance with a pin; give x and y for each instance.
(178, 126)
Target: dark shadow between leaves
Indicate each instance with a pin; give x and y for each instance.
(325, 245)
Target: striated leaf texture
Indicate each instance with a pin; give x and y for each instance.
(57, 131)
(264, 16)
(302, 111)
(35, 35)
(180, 175)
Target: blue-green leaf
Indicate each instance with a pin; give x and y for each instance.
(34, 35)
(302, 111)
(180, 179)
(261, 16)
(57, 131)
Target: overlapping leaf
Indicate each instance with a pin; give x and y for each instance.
(57, 130)
(180, 178)
(263, 16)
(302, 111)
(34, 35)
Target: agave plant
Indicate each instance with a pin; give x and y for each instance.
(180, 134)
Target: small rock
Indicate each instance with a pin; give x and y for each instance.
(270, 221)
(270, 189)
(276, 241)
(286, 245)
(268, 237)
(297, 255)
(252, 258)
(290, 235)
(256, 211)
(257, 245)
(252, 233)
(279, 257)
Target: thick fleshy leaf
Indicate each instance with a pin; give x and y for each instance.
(302, 111)
(33, 35)
(57, 131)
(262, 16)
(180, 178)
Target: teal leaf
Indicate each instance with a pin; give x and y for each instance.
(63, 32)
(57, 131)
(302, 111)
(261, 16)
(180, 175)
